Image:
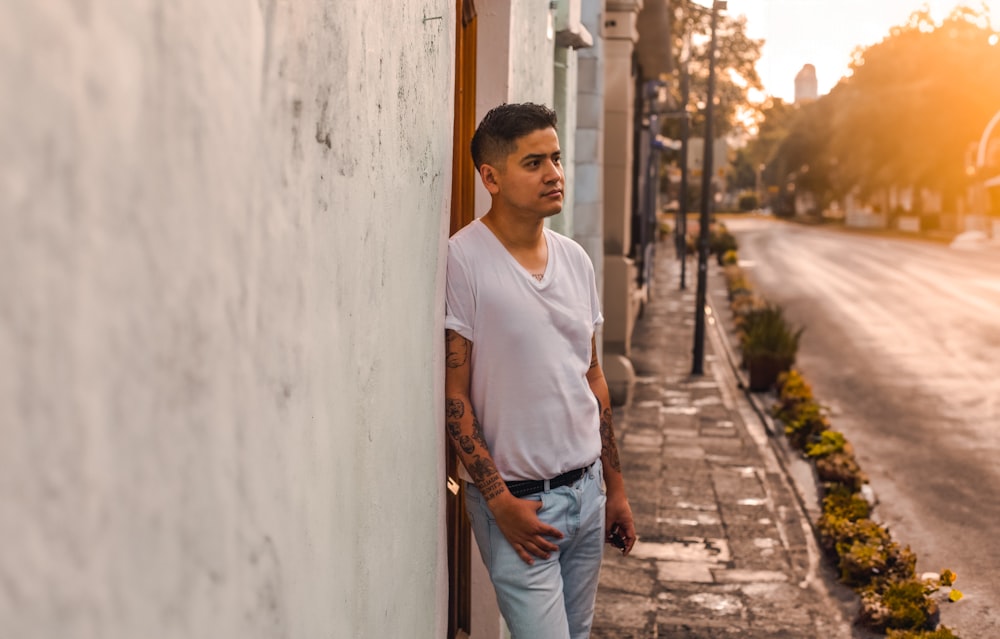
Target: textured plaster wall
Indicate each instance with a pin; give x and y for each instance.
(532, 47)
(515, 60)
(220, 256)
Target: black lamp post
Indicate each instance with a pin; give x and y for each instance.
(682, 196)
(698, 365)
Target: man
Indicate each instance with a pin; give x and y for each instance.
(528, 408)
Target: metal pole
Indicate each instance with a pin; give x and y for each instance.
(682, 209)
(698, 365)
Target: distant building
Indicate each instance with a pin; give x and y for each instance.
(805, 84)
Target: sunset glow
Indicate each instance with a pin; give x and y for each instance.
(825, 32)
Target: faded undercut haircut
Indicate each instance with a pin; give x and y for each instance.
(497, 135)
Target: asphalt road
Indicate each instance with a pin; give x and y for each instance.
(902, 343)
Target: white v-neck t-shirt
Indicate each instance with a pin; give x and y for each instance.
(531, 350)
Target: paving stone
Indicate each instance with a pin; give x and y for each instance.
(632, 612)
(621, 575)
(644, 439)
(734, 576)
(698, 572)
(683, 451)
(690, 549)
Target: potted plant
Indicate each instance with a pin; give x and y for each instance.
(769, 345)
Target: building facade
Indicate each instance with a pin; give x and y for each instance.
(806, 84)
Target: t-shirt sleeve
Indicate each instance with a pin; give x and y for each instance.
(595, 299)
(595, 296)
(460, 300)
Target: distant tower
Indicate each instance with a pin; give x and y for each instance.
(805, 84)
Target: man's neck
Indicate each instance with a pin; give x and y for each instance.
(513, 232)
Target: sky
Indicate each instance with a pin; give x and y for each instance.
(824, 32)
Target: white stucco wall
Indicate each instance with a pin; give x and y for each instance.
(514, 61)
(220, 256)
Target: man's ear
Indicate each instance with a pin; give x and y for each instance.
(490, 177)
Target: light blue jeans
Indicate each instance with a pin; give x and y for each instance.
(554, 598)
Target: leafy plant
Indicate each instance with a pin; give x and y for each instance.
(748, 201)
(793, 393)
(830, 442)
(806, 425)
(842, 509)
(872, 557)
(767, 332)
(841, 468)
(721, 241)
(901, 605)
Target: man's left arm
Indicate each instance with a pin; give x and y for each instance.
(619, 512)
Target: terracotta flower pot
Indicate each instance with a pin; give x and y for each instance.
(764, 370)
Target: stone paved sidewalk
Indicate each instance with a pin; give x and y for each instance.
(725, 549)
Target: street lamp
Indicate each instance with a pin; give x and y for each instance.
(698, 364)
(680, 236)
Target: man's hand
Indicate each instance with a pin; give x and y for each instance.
(518, 521)
(619, 513)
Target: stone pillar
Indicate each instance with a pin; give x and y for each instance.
(571, 35)
(621, 297)
(587, 185)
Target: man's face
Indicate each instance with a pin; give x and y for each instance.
(531, 179)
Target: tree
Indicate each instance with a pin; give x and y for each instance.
(735, 72)
(736, 58)
(904, 117)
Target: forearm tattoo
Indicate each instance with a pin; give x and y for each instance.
(609, 448)
(456, 410)
(487, 479)
(482, 469)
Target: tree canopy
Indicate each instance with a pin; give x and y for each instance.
(905, 116)
(735, 68)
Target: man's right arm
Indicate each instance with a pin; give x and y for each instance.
(517, 518)
(464, 431)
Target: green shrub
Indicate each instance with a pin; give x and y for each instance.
(806, 424)
(902, 605)
(793, 393)
(841, 468)
(830, 442)
(748, 201)
(730, 257)
(767, 332)
(840, 501)
(720, 241)
(842, 509)
(875, 559)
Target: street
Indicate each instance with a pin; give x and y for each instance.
(902, 343)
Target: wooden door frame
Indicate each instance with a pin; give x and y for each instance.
(462, 213)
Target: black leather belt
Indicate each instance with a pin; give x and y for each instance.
(532, 486)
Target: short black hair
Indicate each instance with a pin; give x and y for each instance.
(497, 135)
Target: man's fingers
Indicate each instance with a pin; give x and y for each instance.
(550, 531)
(628, 545)
(523, 554)
(545, 544)
(537, 550)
